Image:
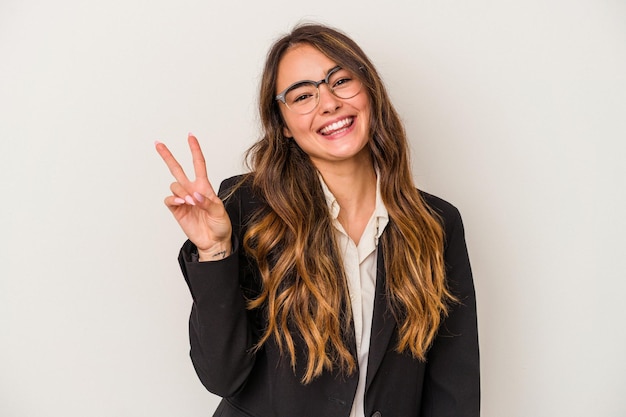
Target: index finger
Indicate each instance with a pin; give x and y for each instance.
(172, 163)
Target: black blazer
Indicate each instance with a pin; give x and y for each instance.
(222, 332)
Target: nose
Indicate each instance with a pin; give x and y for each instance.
(328, 102)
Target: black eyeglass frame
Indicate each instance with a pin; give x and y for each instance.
(281, 96)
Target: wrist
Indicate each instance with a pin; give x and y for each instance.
(216, 252)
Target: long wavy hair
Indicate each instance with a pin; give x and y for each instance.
(304, 290)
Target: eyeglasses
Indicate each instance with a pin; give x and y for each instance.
(303, 97)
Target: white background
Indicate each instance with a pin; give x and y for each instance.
(516, 111)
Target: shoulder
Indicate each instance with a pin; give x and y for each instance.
(238, 183)
(238, 188)
(239, 194)
(448, 215)
(448, 212)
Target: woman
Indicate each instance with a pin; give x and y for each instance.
(323, 282)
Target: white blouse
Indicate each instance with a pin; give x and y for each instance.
(360, 268)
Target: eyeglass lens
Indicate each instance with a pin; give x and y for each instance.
(303, 97)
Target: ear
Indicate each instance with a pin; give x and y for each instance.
(287, 133)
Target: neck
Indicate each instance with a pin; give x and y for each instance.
(350, 183)
(354, 187)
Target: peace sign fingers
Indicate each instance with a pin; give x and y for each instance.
(199, 212)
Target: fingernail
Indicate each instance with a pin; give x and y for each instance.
(189, 134)
(189, 200)
(179, 200)
(198, 197)
(156, 142)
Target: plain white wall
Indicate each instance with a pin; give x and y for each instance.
(517, 114)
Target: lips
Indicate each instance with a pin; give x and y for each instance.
(337, 126)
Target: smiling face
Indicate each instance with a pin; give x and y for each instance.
(337, 131)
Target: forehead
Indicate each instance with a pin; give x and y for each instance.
(302, 62)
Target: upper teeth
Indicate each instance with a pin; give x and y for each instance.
(336, 126)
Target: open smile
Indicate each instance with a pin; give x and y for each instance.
(337, 127)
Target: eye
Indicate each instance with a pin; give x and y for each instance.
(301, 93)
(342, 82)
(341, 79)
(301, 97)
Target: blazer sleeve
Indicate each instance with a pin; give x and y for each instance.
(452, 379)
(220, 330)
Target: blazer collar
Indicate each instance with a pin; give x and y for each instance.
(383, 323)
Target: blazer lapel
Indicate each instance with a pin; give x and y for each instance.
(383, 323)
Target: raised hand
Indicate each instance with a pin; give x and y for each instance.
(196, 207)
